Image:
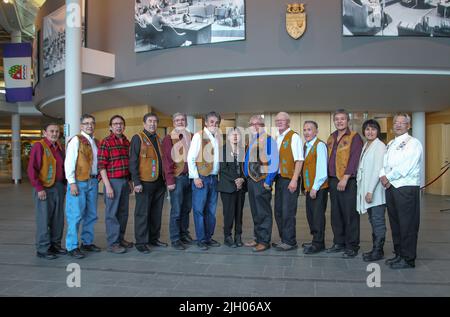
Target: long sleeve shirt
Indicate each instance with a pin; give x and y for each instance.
(196, 145)
(168, 157)
(321, 162)
(70, 163)
(402, 161)
(271, 151)
(113, 156)
(35, 163)
(296, 145)
(355, 153)
(135, 150)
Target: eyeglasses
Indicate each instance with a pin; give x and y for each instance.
(117, 123)
(400, 123)
(88, 123)
(255, 124)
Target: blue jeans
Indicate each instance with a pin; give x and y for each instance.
(81, 208)
(181, 205)
(204, 203)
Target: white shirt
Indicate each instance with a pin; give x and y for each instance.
(196, 145)
(70, 163)
(296, 145)
(321, 163)
(402, 161)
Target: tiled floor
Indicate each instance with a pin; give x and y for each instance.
(219, 271)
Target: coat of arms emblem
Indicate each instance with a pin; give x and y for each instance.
(295, 20)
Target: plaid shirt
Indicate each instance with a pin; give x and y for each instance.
(113, 156)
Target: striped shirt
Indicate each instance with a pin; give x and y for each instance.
(113, 156)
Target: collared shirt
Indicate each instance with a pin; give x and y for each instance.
(196, 145)
(321, 163)
(135, 149)
(355, 153)
(70, 163)
(168, 158)
(35, 163)
(296, 145)
(272, 156)
(402, 161)
(113, 156)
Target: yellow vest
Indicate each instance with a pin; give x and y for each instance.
(204, 167)
(84, 159)
(47, 174)
(287, 163)
(342, 153)
(179, 166)
(148, 159)
(309, 168)
(258, 165)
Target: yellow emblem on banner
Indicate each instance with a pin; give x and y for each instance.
(295, 20)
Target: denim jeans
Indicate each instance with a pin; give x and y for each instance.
(181, 205)
(204, 203)
(81, 208)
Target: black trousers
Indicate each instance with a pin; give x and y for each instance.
(261, 208)
(286, 210)
(315, 213)
(403, 205)
(148, 212)
(233, 204)
(344, 217)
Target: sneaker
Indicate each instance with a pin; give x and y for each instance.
(178, 245)
(46, 255)
(187, 239)
(90, 248)
(202, 246)
(76, 253)
(57, 249)
(250, 244)
(117, 249)
(285, 247)
(142, 248)
(213, 243)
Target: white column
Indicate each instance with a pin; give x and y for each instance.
(191, 125)
(16, 37)
(419, 132)
(73, 68)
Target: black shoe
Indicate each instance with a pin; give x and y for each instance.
(57, 249)
(76, 253)
(187, 239)
(228, 241)
(178, 245)
(275, 244)
(396, 258)
(349, 253)
(403, 264)
(336, 248)
(286, 247)
(125, 244)
(47, 255)
(311, 249)
(142, 248)
(158, 243)
(306, 244)
(213, 243)
(202, 246)
(238, 241)
(90, 248)
(376, 255)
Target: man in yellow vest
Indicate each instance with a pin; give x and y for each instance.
(82, 190)
(287, 189)
(344, 150)
(203, 164)
(46, 174)
(146, 169)
(175, 147)
(315, 186)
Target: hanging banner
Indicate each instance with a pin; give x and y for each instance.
(17, 65)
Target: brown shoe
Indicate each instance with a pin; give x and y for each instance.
(117, 249)
(250, 244)
(125, 244)
(260, 247)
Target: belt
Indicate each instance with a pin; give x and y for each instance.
(92, 176)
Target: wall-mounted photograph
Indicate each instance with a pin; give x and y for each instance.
(54, 41)
(36, 57)
(161, 24)
(396, 18)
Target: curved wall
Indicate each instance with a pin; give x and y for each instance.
(267, 46)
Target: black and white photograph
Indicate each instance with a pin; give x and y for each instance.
(161, 24)
(396, 18)
(36, 57)
(54, 42)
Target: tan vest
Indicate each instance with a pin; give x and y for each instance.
(258, 162)
(204, 165)
(148, 159)
(47, 174)
(180, 164)
(309, 168)
(343, 152)
(287, 163)
(84, 159)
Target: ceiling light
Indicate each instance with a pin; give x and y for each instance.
(211, 89)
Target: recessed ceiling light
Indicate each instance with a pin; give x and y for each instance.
(211, 89)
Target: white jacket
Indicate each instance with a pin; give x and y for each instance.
(368, 181)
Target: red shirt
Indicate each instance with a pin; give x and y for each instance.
(113, 156)
(35, 163)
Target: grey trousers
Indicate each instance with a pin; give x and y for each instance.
(116, 211)
(261, 209)
(377, 221)
(285, 210)
(49, 217)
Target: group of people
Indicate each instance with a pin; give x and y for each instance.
(358, 177)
